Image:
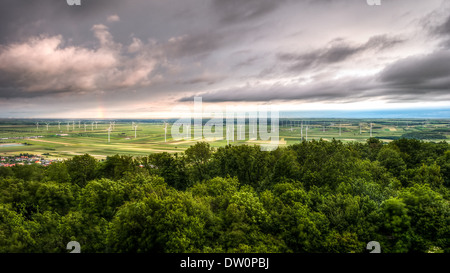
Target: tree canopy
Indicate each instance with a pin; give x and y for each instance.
(316, 196)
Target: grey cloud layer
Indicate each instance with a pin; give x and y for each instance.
(336, 51)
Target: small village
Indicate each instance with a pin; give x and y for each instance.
(16, 160)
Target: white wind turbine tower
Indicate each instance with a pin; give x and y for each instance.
(92, 126)
(37, 125)
(165, 131)
(96, 124)
(73, 126)
(135, 128)
(68, 126)
(47, 125)
(79, 124)
(59, 125)
(84, 126)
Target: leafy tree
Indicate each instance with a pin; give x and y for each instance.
(170, 222)
(115, 167)
(102, 198)
(14, 234)
(82, 168)
(28, 172)
(396, 224)
(391, 160)
(57, 197)
(248, 163)
(43, 228)
(444, 162)
(58, 172)
(170, 167)
(425, 174)
(198, 155)
(6, 172)
(430, 218)
(89, 230)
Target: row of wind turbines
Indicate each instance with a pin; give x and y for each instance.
(306, 126)
(70, 124)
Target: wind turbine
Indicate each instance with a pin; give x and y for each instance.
(79, 124)
(84, 126)
(68, 126)
(135, 128)
(92, 126)
(47, 125)
(73, 126)
(59, 125)
(37, 125)
(96, 124)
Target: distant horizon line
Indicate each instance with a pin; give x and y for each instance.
(405, 113)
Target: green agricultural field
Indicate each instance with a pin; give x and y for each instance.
(150, 135)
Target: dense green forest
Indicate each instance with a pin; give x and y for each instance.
(317, 196)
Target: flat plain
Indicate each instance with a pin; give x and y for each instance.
(64, 141)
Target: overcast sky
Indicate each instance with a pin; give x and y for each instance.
(140, 58)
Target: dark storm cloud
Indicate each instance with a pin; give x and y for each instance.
(353, 90)
(416, 78)
(204, 79)
(429, 74)
(336, 51)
